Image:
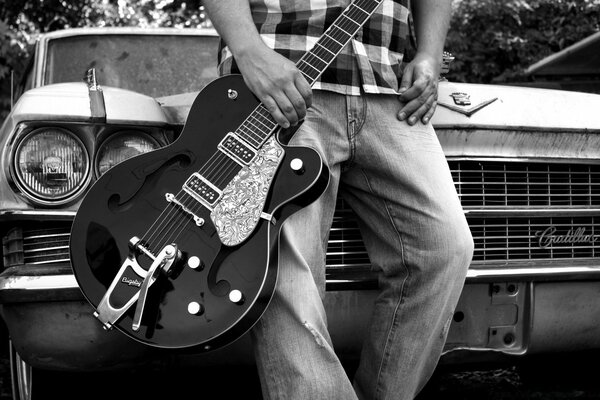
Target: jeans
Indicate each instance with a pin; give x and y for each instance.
(396, 179)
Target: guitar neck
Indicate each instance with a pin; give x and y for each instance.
(335, 38)
(260, 125)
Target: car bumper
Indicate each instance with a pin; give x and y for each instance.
(500, 313)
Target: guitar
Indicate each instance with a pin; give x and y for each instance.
(178, 247)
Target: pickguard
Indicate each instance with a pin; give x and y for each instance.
(242, 202)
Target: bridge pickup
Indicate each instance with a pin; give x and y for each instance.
(237, 149)
(202, 190)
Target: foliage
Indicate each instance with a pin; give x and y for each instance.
(21, 21)
(496, 40)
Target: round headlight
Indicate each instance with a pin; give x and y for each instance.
(51, 165)
(120, 147)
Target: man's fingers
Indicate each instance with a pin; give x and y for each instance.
(298, 110)
(304, 89)
(275, 112)
(287, 108)
(429, 112)
(417, 108)
(419, 87)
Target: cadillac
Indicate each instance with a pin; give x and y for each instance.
(526, 164)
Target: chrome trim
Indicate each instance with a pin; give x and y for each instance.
(68, 281)
(556, 212)
(38, 213)
(555, 272)
(37, 250)
(540, 160)
(43, 282)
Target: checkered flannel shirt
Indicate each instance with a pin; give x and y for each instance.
(373, 62)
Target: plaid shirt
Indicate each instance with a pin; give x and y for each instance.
(373, 62)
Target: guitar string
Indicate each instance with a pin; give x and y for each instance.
(221, 158)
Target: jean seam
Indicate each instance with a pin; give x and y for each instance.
(394, 323)
(272, 372)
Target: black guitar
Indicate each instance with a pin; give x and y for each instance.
(178, 247)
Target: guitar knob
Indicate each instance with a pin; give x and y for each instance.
(235, 296)
(195, 263)
(297, 166)
(195, 308)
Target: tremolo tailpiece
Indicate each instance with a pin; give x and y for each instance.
(129, 275)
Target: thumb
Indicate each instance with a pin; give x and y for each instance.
(407, 77)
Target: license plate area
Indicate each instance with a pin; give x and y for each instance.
(492, 316)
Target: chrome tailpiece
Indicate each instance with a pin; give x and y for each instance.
(123, 291)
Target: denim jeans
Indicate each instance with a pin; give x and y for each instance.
(396, 179)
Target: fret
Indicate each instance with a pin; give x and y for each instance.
(249, 135)
(347, 33)
(325, 48)
(255, 126)
(346, 18)
(266, 117)
(340, 44)
(366, 13)
(317, 70)
(314, 55)
(260, 122)
(339, 35)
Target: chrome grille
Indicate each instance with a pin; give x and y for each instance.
(347, 257)
(526, 184)
(32, 245)
(535, 238)
(46, 246)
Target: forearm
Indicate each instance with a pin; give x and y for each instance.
(233, 21)
(274, 79)
(432, 19)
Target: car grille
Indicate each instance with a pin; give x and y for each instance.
(526, 184)
(33, 245)
(549, 198)
(535, 238)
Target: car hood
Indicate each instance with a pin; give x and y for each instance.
(494, 107)
(75, 102)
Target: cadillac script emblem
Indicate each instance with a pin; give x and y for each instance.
(550, 237)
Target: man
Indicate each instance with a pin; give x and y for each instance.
(369, 118)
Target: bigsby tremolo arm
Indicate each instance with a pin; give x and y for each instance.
(106, 312)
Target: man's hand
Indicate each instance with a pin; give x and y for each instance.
(277, 83)
(418, 89)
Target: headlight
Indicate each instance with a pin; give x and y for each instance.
(120, 147)
(51, 165)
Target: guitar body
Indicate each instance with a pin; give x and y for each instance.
(212, 293)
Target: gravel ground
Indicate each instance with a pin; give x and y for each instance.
(542, 381)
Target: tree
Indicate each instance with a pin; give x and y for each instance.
(495, 41)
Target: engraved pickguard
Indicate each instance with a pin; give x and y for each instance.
(242, 202)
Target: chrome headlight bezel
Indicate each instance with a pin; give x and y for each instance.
(35, 195)
(102, 146)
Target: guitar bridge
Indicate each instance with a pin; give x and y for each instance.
(132, 282)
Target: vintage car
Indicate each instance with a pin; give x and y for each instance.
(526, 164)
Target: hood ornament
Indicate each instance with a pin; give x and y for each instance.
(97, 106)
(91, 80)
(461, 99)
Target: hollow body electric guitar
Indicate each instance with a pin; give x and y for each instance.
(178, 247)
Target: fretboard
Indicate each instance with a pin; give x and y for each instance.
(260, 125)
